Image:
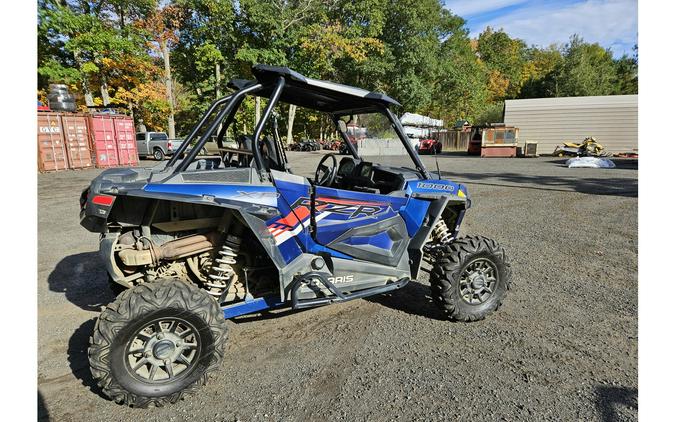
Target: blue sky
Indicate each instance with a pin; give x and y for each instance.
(611, 23)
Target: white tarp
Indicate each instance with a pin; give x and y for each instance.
(378, 147)
(590, 162)
(412, 119)
(417, 132)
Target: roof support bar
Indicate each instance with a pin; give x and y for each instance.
(274, 98)
(214, 125)
(192, 134)
(345, 137)
(406, 143)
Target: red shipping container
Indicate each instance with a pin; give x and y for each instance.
(125, 135)
(76, 138)
(102, 129)
(51, 148)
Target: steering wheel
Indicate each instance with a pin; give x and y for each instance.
(325, 175)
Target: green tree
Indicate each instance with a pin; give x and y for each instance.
(627, 74)
(412, 33)
(460, 86)
(588, 69)
(504, 58)
(540, 73)
(206, 38)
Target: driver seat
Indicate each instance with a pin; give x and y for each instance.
(270, 154)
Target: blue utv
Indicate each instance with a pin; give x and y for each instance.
(203, 238)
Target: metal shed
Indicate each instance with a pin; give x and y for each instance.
(611, 119)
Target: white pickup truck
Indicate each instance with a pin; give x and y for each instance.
(156, 144)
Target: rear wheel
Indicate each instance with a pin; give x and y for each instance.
(158, 154)
(157, 342)
(470, 278)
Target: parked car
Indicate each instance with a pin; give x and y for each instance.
(156, 144)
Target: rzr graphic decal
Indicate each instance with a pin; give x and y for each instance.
(292, 224)
(350, 208)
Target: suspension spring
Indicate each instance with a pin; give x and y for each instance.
(222, 274)
(441, 232)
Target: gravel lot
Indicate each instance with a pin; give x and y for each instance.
(563, 347)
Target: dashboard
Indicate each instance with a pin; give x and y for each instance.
(354, 174)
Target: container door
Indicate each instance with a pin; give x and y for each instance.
(51, 148)
(103, 133)
(125, 136)
(77, 141)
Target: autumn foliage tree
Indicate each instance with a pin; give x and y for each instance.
(164, 62)
(162, 25)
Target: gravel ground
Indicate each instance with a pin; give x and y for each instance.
(563, 347)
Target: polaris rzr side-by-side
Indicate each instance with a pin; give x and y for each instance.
(199, 239)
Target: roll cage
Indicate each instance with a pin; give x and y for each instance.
(288, 86)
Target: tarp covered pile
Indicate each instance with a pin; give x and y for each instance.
(412, 119)
(590, 162)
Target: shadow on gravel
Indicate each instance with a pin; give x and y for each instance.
(609, 398)
(590, 185)
(413, 299)
(78, 359)
(83, 280)
(43, 413)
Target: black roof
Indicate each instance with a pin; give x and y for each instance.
(315, 94)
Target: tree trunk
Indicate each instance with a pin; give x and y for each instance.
(257, 110)
(104, 90)
(217, 80)
(291, 117)
(217, 66)
(169, 89)
(88, 97)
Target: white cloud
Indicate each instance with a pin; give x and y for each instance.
(611, 23)
(468, 8)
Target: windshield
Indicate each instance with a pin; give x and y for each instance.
(375, 140)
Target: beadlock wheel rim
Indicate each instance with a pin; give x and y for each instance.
(478, 281)
(162, 351)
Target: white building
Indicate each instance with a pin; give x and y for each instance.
(611, 119)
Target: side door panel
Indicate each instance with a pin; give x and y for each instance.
(361, 225)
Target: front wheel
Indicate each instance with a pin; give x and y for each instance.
(470, 278)
(157, 342)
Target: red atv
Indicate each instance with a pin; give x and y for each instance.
(430, 146)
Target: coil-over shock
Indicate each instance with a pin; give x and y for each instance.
(441, 233)
(222, 274)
